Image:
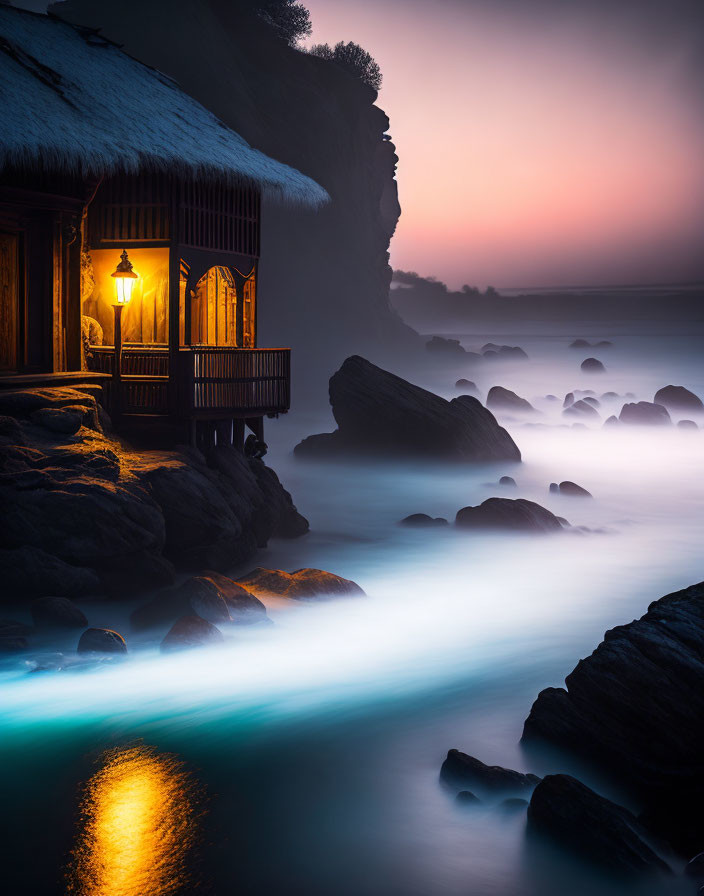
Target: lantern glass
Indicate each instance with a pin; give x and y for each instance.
(125, 277)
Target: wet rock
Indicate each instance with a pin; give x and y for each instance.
(298, 585)
(574, 490)
(190, 631)
(513, 805)
(462, 770)
(205, 599)
(569, 400)
(580, 343)
(516, 515)
(508, 481)
(645, 413)
(28, 572)
(592, 827)
(10, 431)
(636, 708)
(12, 635)
(422, 519)
(467, 386)
(101, 640)
(57, 612)
(677, 398)
(687, 424)
(581, 410)
(505, 400)
(592, 365)
(243, 606)
(467, 798)
(379, 414)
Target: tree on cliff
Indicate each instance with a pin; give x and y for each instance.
(290, 19)
(353, 58)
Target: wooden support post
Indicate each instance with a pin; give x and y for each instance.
(116, 408)
(238, 434)
(223, 430)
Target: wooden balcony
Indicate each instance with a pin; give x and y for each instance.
(210, 382)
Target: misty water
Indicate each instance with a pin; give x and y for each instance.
(304, 757)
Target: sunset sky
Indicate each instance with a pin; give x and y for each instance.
(541, 142)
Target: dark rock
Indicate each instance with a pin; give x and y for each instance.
(592, 365)
(12, 643)
(28, 572)
(517, 515)
(687, 424)
(603, 343)
(445, 346)
(644, 413)
(10, 431)
(467, 798)
(581, 410)
(636, 707)
(580, 343)
(380, 414)
(101, 640)
(609, 396)
(592, 827)
(12, 628)
(574, 490)
(244, 607)
(677, 398)
(462, 770)
(569, 400)
(298, 585)
(422, 519)
(504, 352)
(490, 347)
(592, 401)
(205, 599)
(554, 488)
(467, 386)
(506, 400)
(508, 481)
(190, 631)
(611, 421)
(57, 612)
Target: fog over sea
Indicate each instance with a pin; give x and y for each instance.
(303, 757)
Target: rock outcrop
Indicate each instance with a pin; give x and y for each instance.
(592, 365)
(677, 398)
(500, 399)
(636, 707)
(644, 413)
(83, 514)
(461, 771)
(516, 515)
(573, 490)
(581, 410)
(102, 640)
(592, 827)
(190, 631)
(301, 584)
(380, 414)
(422, 520)
(57, 612)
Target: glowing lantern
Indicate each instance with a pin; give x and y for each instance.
(124, 279)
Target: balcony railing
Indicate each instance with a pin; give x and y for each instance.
(210, 382)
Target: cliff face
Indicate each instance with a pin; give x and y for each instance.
(324, 276)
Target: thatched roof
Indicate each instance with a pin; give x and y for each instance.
(70, 100)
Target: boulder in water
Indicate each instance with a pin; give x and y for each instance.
(574, 490)
(569, 400)
(467, 386)
(592, 827)
(299, 585)
(581, 410)
(420, 520)
(462, 770)
(644, 413)
(580, 343)
(611, 421)
(508, 481)
(516, 515)
(592, 365)
(380, 414)
(101, 640)
(594, 402)
(190, 631)
(501, 399)
(444, 346)
(467, 798)
(687, 424)
(677, 398)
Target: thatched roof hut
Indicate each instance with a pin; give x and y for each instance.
(74, 102)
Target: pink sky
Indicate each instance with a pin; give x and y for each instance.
(535, 149)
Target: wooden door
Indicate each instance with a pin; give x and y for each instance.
(9, 300)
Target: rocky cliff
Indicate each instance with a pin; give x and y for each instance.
(324, 276)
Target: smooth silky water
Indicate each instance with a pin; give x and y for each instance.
(304, 757)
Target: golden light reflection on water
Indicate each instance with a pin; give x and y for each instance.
(138, 826)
